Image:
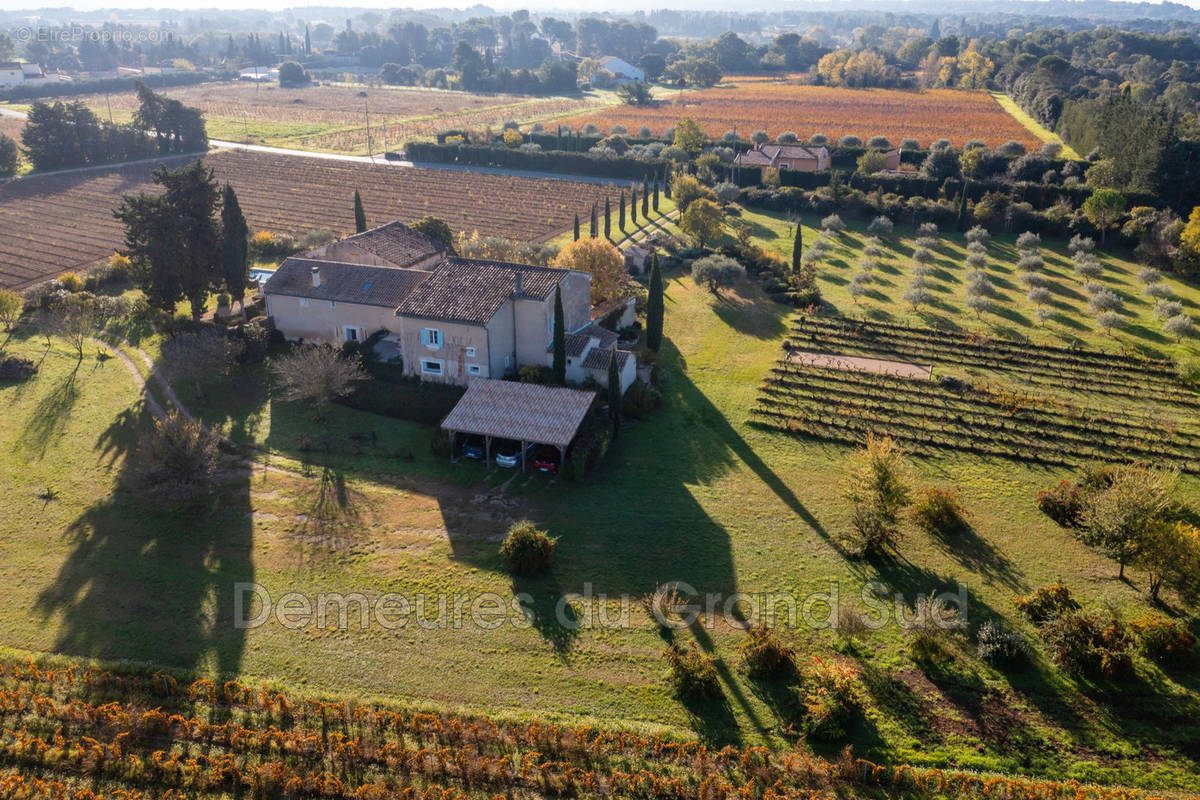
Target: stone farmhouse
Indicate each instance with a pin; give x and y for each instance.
(448, 319)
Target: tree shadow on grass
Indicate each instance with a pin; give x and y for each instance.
(973, 552)
(49, 419)
(755, 316)
(149, 580)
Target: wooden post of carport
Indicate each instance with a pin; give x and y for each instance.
(487, 451)
(453, 449)
(524, 447)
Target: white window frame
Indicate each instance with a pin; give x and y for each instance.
(441, 367)
(304, 302)
(474, 369)
(785, 165)
(432, 338)
(346, 329)
(470, 352)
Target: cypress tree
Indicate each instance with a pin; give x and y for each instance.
(360, 216)
(560, 340)
(621, 212)
(654, 307)
(307, 41)
(593, 230)
(234, 233)
(558, 140)
(797, 248)
(655, 203)
(614, 391)
(633, 206)
(666, 183)
(607, 219)
(577, 227)
(962, 207)
(646, 200)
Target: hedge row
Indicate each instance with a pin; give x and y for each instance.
(558, 161)
(124, 84)
(411, 399)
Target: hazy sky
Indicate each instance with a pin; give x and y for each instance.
(534, 5)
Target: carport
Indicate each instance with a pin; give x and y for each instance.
(524, 412)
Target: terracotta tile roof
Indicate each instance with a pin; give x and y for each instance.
(777, 151)
(752, 158)
(526, 412)
(344, 283)
(473, 290)
(598, 358)
(577, 342)
(396, 243)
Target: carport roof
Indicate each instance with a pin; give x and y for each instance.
(526, 412)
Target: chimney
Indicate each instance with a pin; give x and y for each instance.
(520, 285)
(316, 277)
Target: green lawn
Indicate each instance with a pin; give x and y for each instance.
(695, 494)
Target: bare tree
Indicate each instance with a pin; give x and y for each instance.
(317, 375)
(73, 317)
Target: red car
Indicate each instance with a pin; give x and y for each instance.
(546, 459)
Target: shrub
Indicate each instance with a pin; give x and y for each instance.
(71, 282)
(1163, 639)
(526, 550)
(910, 144)
(878, 488)
(879, 142)
(1082, 244)
(1105, 300)
(1001, 647)
(828, 693)
(939, 510)
(1029, 241)
(1086, 644)
(692, 672)
(764, 654)
(1179, 326)
(640, 400)
(536, 373)
(15, 368)
(850, 140)
(179, 458)
(1046, 603)
(978, 235)
(880, 226)
(833, 224)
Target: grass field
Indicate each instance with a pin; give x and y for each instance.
(1032, 125)
(57, 223)
(697, 494)
(775, 106)
(335, 118)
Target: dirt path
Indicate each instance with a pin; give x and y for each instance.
(901, 369)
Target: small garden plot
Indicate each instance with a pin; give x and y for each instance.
(880, 366)
(1035, 403)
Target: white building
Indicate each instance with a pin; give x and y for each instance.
(18, 73)
(622, 70)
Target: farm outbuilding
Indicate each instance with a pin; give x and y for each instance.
(523, 412)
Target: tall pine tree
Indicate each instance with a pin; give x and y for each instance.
(962, 207)
(360, 216)
(797, 247)
(234, 234)
(614, 391)
(560, 340)
(654, 307)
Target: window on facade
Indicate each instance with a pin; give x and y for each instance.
(470, 352)
(431, 337)
(784, 165)
(351, 334)
(431, 367)
(304, 302)
(474, 369)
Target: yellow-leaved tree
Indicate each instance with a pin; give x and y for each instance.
(598, 258)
